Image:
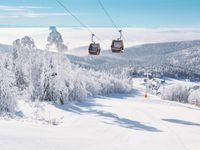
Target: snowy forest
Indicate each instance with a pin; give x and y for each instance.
(32, 74)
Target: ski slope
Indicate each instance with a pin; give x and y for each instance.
(116, 122)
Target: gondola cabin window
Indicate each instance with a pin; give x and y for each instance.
(117, 44)
(94, 47)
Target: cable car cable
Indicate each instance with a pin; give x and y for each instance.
(78, 20)
(109, 16)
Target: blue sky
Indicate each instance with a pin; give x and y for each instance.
(126, 13)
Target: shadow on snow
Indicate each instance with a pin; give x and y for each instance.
(177, 121)
(121, 96)
(93, 108)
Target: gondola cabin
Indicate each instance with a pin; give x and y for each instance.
(117, 46)
(94, 49)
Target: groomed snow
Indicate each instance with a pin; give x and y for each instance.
(117, 122)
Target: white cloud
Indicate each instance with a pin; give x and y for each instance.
(8, 16)
(26, 11)
(11, 8)
(33, 7)
(19, 8)
(33, 15)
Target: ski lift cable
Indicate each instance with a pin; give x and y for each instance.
(109, 16)
(78, 20)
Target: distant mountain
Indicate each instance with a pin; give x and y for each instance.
(187, 58)
(174, 59)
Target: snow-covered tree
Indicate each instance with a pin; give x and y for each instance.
(37, 75)
(194, 97)
(55, 88)
(34, 69)
(175, 92)
(28, 43)
(28, 66)
(18, 64)
(16, 49)
(49, 80)
(55, 39)
(8, 101)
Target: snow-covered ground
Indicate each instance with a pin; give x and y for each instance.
(117, 122)
(113, 122)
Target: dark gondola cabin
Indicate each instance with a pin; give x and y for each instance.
(94, 49)
(117, 45)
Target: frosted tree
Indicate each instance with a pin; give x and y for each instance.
(49, 92)
(175, 92)
(28, 66)
(18, 64)
(55, 39)
(28, 43)
(8, 101)
(36, 75)
(22, 50)
(54, 82)
(34, 69)
(16, 49)
(194, 97)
